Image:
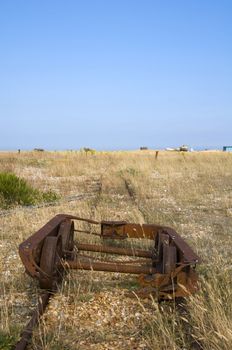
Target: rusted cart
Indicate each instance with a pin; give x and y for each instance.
(167, 270)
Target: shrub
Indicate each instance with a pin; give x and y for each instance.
(88, 150)
(9, 336)
(49, 196)
(6, 341)
(16, 191)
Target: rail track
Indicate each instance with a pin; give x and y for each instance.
(133, 197)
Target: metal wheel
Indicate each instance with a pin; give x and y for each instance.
(71, 237)
(50, 261)
(169, 258)
(66, 231)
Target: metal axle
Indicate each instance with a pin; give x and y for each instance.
(89, 264)
(114, 250)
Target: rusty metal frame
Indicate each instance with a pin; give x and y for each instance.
(166, 271)
(170, 256)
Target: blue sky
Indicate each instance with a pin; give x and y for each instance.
(115, 74)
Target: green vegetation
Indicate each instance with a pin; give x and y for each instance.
(16, 191)
(6, 341)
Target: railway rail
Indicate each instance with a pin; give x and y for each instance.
(167, 270)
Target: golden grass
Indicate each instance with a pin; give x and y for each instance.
(191, 192)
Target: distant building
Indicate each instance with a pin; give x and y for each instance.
(227, 148)
(184, 148)
(143, 148)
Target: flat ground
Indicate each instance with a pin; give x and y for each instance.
(191, 192)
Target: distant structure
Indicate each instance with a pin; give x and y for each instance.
(38, 149)
(184, 148)
(143, 148)
(227, 148)
(88, 150)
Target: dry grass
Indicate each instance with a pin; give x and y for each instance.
(191, 192)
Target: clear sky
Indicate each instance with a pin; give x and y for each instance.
(116, 74)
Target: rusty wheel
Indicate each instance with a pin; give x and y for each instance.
(50, 261)
(67, 238)
(169, 258)
(66, 231)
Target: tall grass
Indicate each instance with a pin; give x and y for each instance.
(190, 192)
